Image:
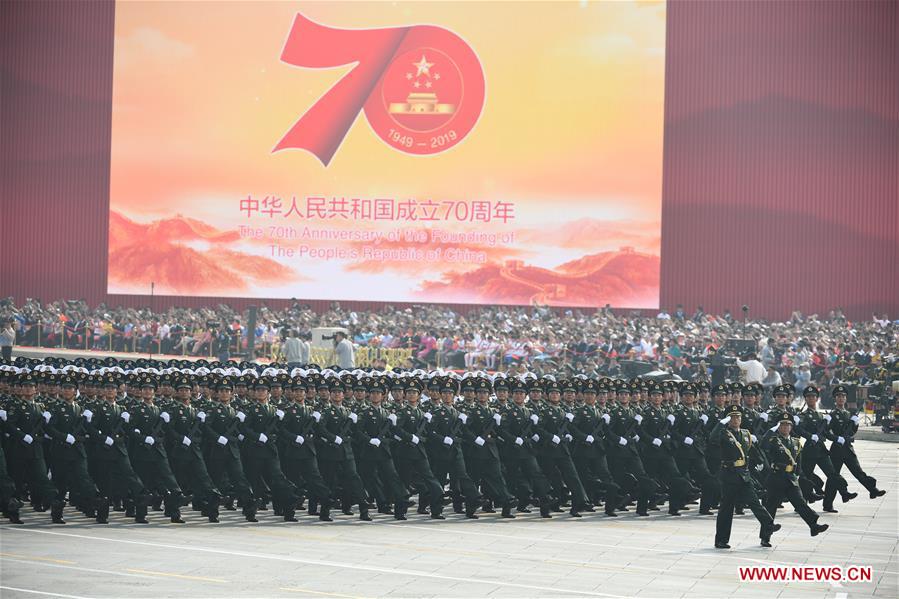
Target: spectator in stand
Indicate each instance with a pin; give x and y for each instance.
(7, 339)
(346, 357)
(751, 369)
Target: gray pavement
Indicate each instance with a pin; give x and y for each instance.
(658, 556)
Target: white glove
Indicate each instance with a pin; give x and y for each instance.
(338, 440)
(622, 441)
(754, 438)
(855, 419)
(202, 416)
(263, 438)
(773, 428)
(815, 438)
(569, 416)
(375, 441)
(3, 415)
(280, 414)
(704, 418)
(556, 439)
(415, 440)
(764, 416)
(725, 420)
(841, 440)
(88, 415)
(688, 440)
(519, 441)
(109, 441)
(657, 442)
(428, 416)
(671, 418)
(127, 417)
(796, 419)
(760, 467)
(222, 440)
(534, 418)
(317, 416)
(447, 440)
(568, 437)
(479, 441)
(240, 437)
(392, 419)
(47, 416)
(28, 439)
(186, 441)
(463, 417)
(353, 417)
(827, 417)
(535, 437)
(70, 439)
(148, 440)
(607, 418)
(497, 418)
(300, 439)
(638, 418)
(637, 438)
(165, 416)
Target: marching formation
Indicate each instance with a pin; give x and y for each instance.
(142, 436)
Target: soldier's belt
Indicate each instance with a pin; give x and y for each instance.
(788, 468)
(739, 463)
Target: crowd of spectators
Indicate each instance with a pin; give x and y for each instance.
(802, 350)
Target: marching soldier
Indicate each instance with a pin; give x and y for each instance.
(223, 448)
(588, 430)
(689, 435)
(379, 475)
(148, 452)
(783, 482)
(67, 429)
(626, 464)
(185, 440)
(482, 439)
(410, 455)
(814, 428)
(843, 426)
(734, 446)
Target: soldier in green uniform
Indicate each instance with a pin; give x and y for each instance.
(553, 453)
(589, 430)
(524, 474)
(814, 428)
(373, 432)
(410, 455)
(445, 447)
(109, 448)
(259, 426)
(658, 452)
(67, 429)
(481, 442)
(627, 466)
(222, 436)
(689, 436)
(783, 481)
(335, 452)
(26, 420)
(185, 441)
(843, 426)
(734, 445)
(147, 430)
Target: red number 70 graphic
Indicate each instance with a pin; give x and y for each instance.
(421, 87)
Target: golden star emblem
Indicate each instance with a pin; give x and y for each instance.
(423, 67)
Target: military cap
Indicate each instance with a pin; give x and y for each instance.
(655, 389)
(182, 382)
(482, 385)
(840, 389)
(785, 417)
(733, 411)
(811, 390)
(67, 381)
(519, 385)
(720, 389)
(413, 385)
(688, 389)
(781, 390)
(590, 386)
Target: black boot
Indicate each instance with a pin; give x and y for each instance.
(545, 509)
(313, 507)
(470, 510)
(325, 513)
(249, 510)
(56, 512)
(102, 510)
(140, 510)
(12, 511)
(363, 512)
(129, 508)
(507, 511)
(399, 510)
